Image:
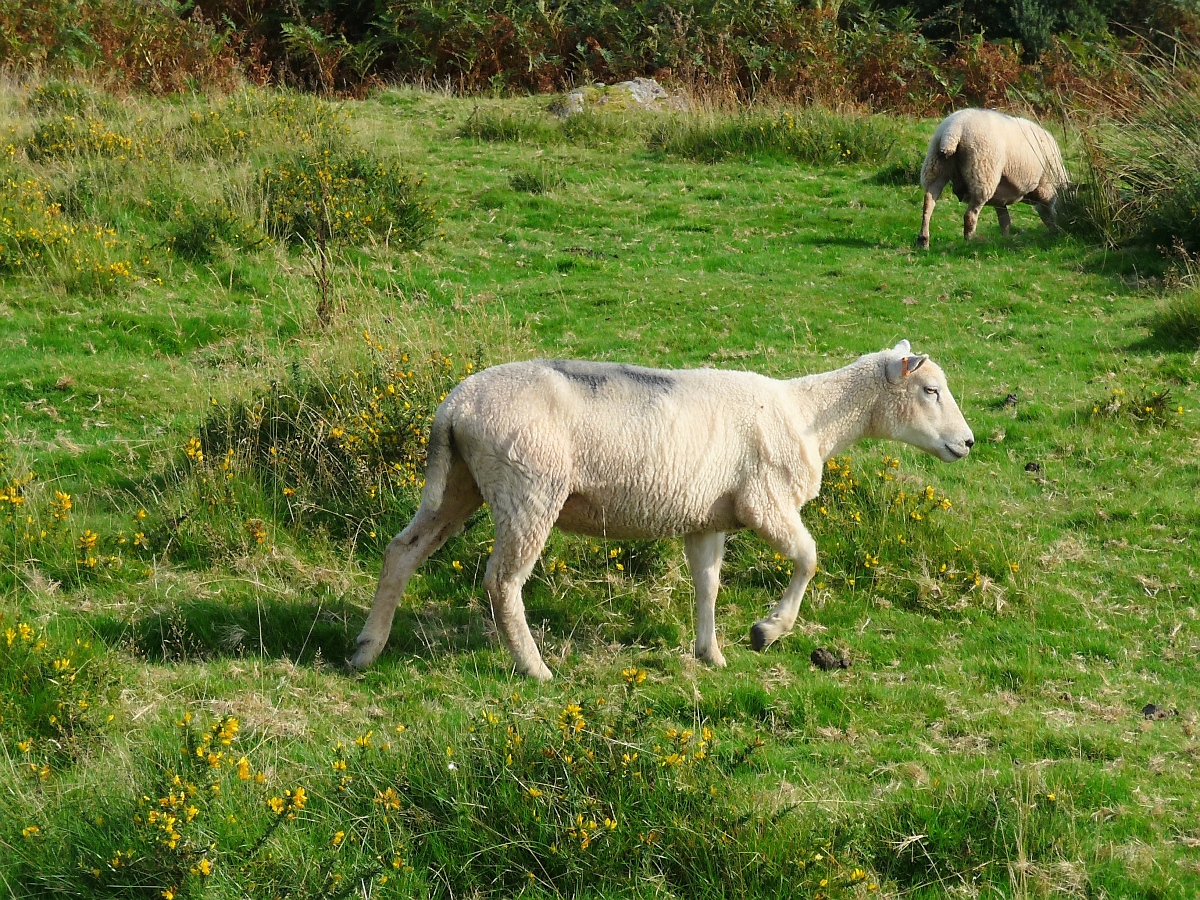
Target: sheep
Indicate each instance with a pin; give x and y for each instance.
(624, 452)
(993, 159)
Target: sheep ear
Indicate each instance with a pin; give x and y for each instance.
(902, 366)
(902, 347)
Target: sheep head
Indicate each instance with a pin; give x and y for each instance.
(918, 408)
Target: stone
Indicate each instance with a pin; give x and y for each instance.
(638, 93)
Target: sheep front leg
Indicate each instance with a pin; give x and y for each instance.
(514, 555)
(787, 534)
(932, 193)
(407, 550)
(704, 555)
(971, 218)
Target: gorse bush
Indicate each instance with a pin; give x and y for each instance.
(590, 794)
(878, 532)
(235, 126)
(344, 450)
(37, 239)
(343, 196)
(812, 135)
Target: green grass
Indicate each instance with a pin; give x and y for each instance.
(988, 739)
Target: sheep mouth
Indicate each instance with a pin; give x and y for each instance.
(955, 453)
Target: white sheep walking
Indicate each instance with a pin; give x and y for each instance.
(995, 160)
(624, 452)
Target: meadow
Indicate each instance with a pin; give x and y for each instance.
(226, 323)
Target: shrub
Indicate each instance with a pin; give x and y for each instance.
(237, 125)
(50, 691)
(342, 195)
(72, 98)
(195, 230)
(1142, 181)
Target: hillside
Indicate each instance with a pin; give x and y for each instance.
(227, 321)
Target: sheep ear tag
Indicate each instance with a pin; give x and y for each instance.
(903, 366)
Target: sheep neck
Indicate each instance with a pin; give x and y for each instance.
(840, 405)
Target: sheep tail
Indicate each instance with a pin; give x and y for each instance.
(440, 455)
(949, 139)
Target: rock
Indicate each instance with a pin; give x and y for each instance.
(827, 662)
(640, 93)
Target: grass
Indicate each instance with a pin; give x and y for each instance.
(200, 472)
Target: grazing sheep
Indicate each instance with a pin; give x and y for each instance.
(625, 452)
(993, 159)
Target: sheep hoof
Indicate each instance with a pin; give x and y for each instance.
(540, 673)
(713, 657)
(368, 652)
(922, 242)
(760, 636)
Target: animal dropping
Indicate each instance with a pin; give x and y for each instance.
(625, 452)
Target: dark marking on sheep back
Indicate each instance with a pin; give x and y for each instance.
(594, 376)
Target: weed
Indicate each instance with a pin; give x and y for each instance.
(503, 125)
(1144, 406)
(537, 179)
(814, 136)
(1177, 319)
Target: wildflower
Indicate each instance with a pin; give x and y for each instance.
(388, 799)
(534, 792)
(458, 567)
(243, 769)
(338, 838)
(364, 740)
(203, 868)
(30, 831)
(633, 675)
(1014, 566)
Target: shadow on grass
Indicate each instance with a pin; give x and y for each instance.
(305, 633)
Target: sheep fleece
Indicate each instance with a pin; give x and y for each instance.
(636, 449)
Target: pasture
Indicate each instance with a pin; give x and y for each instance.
(214, 409)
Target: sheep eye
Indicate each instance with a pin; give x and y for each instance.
(932, 391)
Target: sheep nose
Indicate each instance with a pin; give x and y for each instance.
(970, 442)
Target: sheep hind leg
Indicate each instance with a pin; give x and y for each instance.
(971, 218)
(1005, 219)
(787, 534)
(514, 554)
(407, 550)
(704, 555)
